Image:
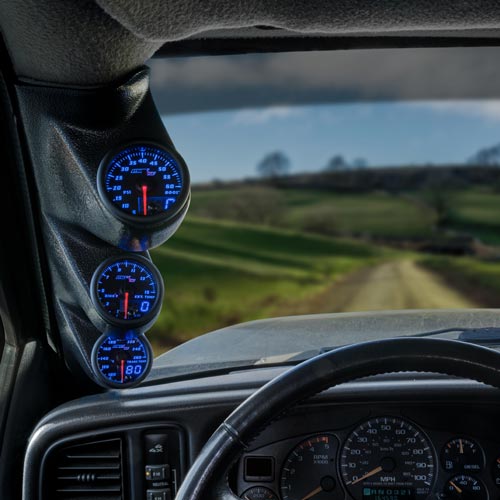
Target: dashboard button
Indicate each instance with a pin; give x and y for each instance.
(159, 494)
(157, 472)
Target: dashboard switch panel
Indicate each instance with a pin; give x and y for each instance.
(161, 452)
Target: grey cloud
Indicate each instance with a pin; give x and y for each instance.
(225, 82)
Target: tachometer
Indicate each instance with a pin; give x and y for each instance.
(127, 292)
(387, 457)
(309, 470)
(143, 183)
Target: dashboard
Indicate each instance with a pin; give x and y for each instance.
(406, 436)
(385, 452)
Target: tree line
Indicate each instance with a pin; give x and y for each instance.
(277, 164)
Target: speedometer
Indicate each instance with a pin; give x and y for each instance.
(387, 457)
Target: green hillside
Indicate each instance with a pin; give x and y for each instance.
(221, 273)
(398, 216)
(367, 215)
(253, 252)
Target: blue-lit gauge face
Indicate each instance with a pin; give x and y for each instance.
(127, 292)
(144, 183)
(121, 361)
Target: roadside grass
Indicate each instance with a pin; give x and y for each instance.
(477, 211)
(220, 273)
(475, 278)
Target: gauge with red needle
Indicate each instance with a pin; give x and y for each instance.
(121, 360)
(127, 292)
(144, 183)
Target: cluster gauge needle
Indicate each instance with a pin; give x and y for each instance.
(456, 488)
(368, 474)
(313, 493)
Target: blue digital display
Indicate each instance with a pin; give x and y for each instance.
(122, 361)
(127, 292)
(144, 182)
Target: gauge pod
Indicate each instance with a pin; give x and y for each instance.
(121, 361)
(127, 292)
(144, 183)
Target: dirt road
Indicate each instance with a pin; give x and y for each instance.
(400, 284)
(395, 285)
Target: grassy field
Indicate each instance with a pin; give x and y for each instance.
(220, 273)
(367, 215)
(477, 211)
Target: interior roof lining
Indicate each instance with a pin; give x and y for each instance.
(96, 42)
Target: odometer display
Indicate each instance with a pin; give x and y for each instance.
(121, 361)
(127, 292)
(387, 454)
(144, 182)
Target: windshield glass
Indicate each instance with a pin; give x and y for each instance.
(331, 182)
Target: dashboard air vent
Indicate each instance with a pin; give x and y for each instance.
(89, 471)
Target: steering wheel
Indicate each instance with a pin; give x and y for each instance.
(207, 478)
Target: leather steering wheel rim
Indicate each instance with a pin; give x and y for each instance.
(207, 477)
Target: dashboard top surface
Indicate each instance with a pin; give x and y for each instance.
(279, 339)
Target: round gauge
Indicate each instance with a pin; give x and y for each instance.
(121, 361)
(309, 470)
(387, 455)
(465, 487)
(144, 183)
(496, 471)
(127, 292)
(259, 493)
(462, 455)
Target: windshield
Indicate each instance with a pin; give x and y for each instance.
(331, 182)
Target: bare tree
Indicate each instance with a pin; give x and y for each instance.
(336, 163)
(275, 164)
(486, 157)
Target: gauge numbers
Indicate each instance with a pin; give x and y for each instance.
(465, 488)
(127, 291)
(387, 457)
(121, 361)
(309, 470)
(144, 182)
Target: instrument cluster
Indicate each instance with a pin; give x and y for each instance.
(380, 458)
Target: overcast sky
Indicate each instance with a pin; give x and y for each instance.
(315, 105)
